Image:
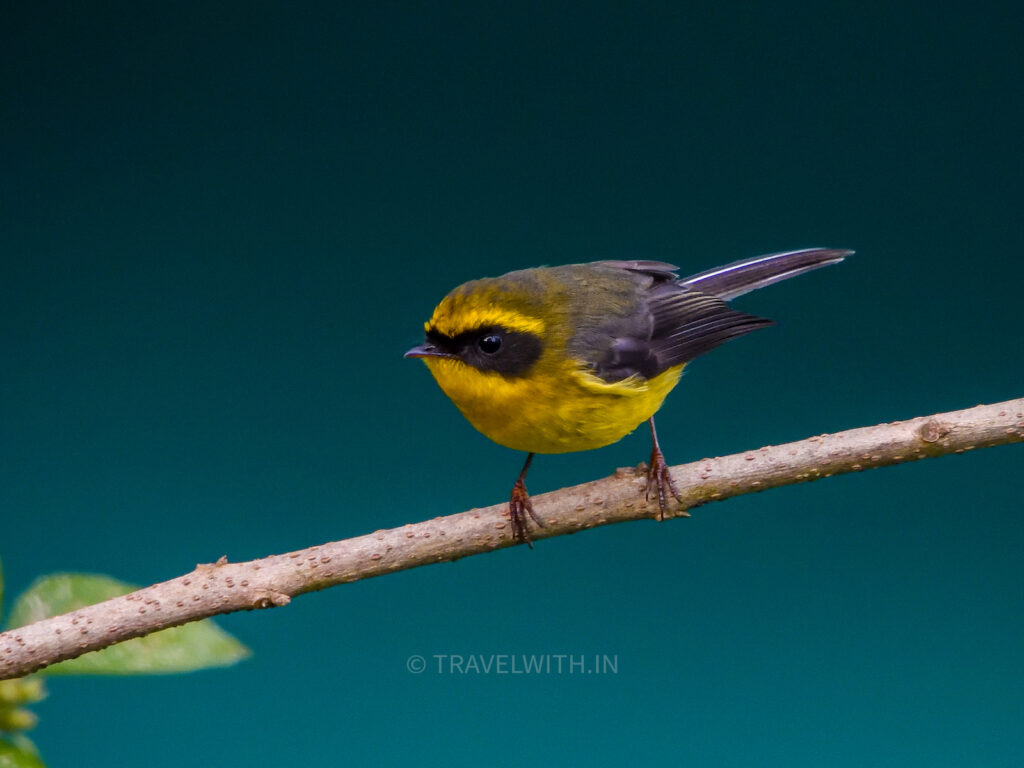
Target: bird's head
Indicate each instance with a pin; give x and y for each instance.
(492, 327)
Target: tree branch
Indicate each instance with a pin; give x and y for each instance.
(272, 581)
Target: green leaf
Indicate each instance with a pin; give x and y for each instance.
(19, 752)
(13, 719)
(189, 647)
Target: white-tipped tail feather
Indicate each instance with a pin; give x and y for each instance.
(732, 280)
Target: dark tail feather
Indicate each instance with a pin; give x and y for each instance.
(747, 275)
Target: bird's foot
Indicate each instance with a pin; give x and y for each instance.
(519, 506)
(658, 477)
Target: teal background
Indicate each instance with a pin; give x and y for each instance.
(221, 225)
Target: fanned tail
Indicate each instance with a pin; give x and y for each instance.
(732, 280)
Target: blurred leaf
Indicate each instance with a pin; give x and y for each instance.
(22, 690)
(1, 589)
(193, 646)
(17, 719)
(19, 752)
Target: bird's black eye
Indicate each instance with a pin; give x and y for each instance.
(490, 343)
(497, 350)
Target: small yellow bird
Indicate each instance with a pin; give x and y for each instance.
(570, 358)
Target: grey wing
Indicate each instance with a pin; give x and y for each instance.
(678, 320)
(675, 324)
(659, 270)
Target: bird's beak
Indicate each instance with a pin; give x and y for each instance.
(426, 350)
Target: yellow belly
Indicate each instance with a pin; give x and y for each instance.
(570, 410)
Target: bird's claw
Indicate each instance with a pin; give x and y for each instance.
(519, 506)
(660, 478)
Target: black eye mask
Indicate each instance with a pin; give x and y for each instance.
(493, 348)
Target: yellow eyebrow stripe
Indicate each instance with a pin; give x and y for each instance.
(471, 319)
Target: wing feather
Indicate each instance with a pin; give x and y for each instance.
(668, 321)
(681, 324)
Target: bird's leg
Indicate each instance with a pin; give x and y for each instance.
(659, 477)
(519, 506)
